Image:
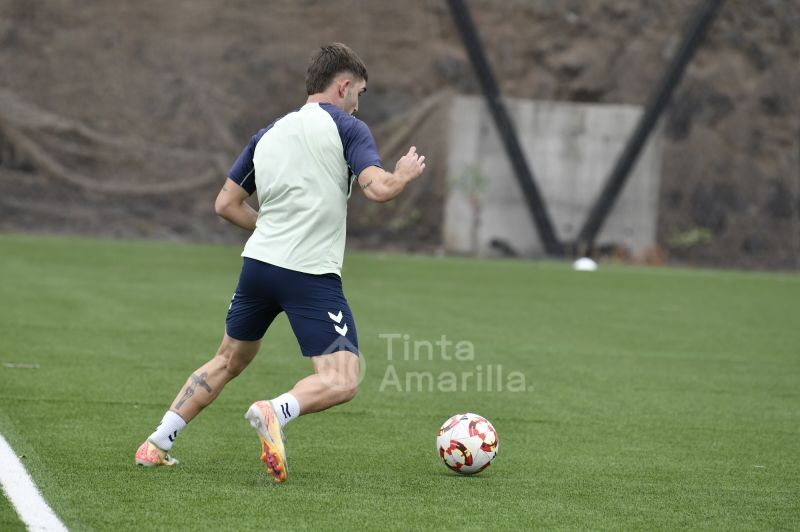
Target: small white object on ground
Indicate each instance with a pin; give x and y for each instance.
(12, 365)
(584, 264)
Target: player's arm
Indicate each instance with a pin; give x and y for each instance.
(380, 185)
(231, 205)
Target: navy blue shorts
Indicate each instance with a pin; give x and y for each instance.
(315, 305)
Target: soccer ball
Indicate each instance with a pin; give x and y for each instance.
(467, 443)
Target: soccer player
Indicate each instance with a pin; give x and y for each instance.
(302, 166)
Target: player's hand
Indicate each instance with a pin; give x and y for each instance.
(410, 165)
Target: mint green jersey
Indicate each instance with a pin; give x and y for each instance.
(302, 167)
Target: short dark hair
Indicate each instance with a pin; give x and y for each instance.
(328, 62)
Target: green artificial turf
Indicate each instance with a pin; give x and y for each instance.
(652, 398)
(9, 522)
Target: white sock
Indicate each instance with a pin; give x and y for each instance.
(167, 431)
(286, 408)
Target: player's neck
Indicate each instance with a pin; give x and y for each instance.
(322, 97)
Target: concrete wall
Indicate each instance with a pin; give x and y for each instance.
(571, 148)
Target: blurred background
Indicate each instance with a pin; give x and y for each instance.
(121, 119)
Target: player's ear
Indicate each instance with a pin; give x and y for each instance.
(343, 84)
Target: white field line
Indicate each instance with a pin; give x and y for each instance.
(23, 494)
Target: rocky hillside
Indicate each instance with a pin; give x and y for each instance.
(120, 118)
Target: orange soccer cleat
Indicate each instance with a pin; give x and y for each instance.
(262, 417)
(149, 455)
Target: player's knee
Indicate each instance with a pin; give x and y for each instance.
(349, 386)
(229, 363)
(234, 368)
(349, 391)
(342, 387)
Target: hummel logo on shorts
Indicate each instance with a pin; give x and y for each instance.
(338, 319)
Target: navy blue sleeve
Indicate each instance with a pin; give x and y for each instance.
(360, 150)
(243, 172)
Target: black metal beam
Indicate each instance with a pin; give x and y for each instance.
(698, 25)
(505, 128)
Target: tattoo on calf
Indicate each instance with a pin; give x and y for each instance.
(196, 380)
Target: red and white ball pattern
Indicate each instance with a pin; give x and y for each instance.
(467, 443)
